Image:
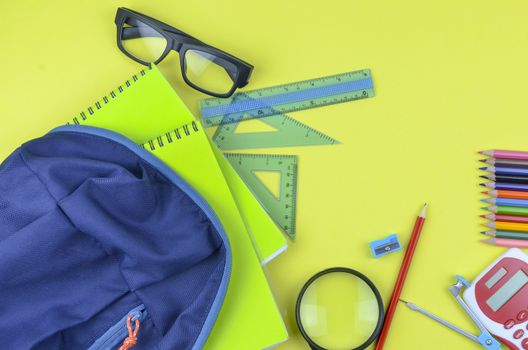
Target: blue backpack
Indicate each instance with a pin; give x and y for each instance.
(103, 246)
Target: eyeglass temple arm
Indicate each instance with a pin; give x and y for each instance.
(146, 31)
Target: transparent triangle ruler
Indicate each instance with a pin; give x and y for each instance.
(288, 132)
(288, 98)
(280, 206)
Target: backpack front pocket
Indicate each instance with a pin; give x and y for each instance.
(115, 336)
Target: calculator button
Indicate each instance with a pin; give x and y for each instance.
(509, 324)
(525, 344)
(523, 315)
(518, 334)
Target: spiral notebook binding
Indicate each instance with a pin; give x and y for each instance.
(172, 136)
(84, 115)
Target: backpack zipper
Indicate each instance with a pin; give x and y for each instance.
(118, 332)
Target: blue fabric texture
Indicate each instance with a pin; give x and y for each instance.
(91, 226)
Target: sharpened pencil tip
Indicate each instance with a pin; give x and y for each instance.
(424, 211)
(490, 185)
(403, 301)
(484, 192)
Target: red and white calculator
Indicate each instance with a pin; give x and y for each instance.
(499, 298)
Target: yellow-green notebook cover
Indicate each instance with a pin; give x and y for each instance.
(249, 318)
(149, 107)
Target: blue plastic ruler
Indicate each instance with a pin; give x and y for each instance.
(282, 206)
(288, 98)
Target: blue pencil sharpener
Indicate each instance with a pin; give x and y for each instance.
(385, 246)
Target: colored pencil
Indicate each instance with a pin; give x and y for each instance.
(508, 218)
(506, 154)
(505, 186)
(508, 210)
(506, 234)
(506, 178)
(505, 162)
(508, 226)
(507, 202)
(507, 194)
(505, 170)
(503, 242)
(404, 269)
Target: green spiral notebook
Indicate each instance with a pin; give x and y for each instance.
(147, 110)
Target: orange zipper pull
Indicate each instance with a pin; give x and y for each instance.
(132, 339)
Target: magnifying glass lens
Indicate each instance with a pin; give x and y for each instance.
(339, 311)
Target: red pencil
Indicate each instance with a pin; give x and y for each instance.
(407, 260)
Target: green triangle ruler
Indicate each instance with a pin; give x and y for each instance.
(288, 132)
(281, 206)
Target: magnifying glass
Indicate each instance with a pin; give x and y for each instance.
(339, 309)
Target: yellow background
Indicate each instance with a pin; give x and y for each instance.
(450, 78)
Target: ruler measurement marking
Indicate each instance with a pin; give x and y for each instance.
(291, 97)
(295, 87)
(361, 74)
(281, 109)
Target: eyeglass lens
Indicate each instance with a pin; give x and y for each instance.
(209, 72)
(339, 311)
(202, 69)
(142, 41)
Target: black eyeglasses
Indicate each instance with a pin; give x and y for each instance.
(205, 68)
